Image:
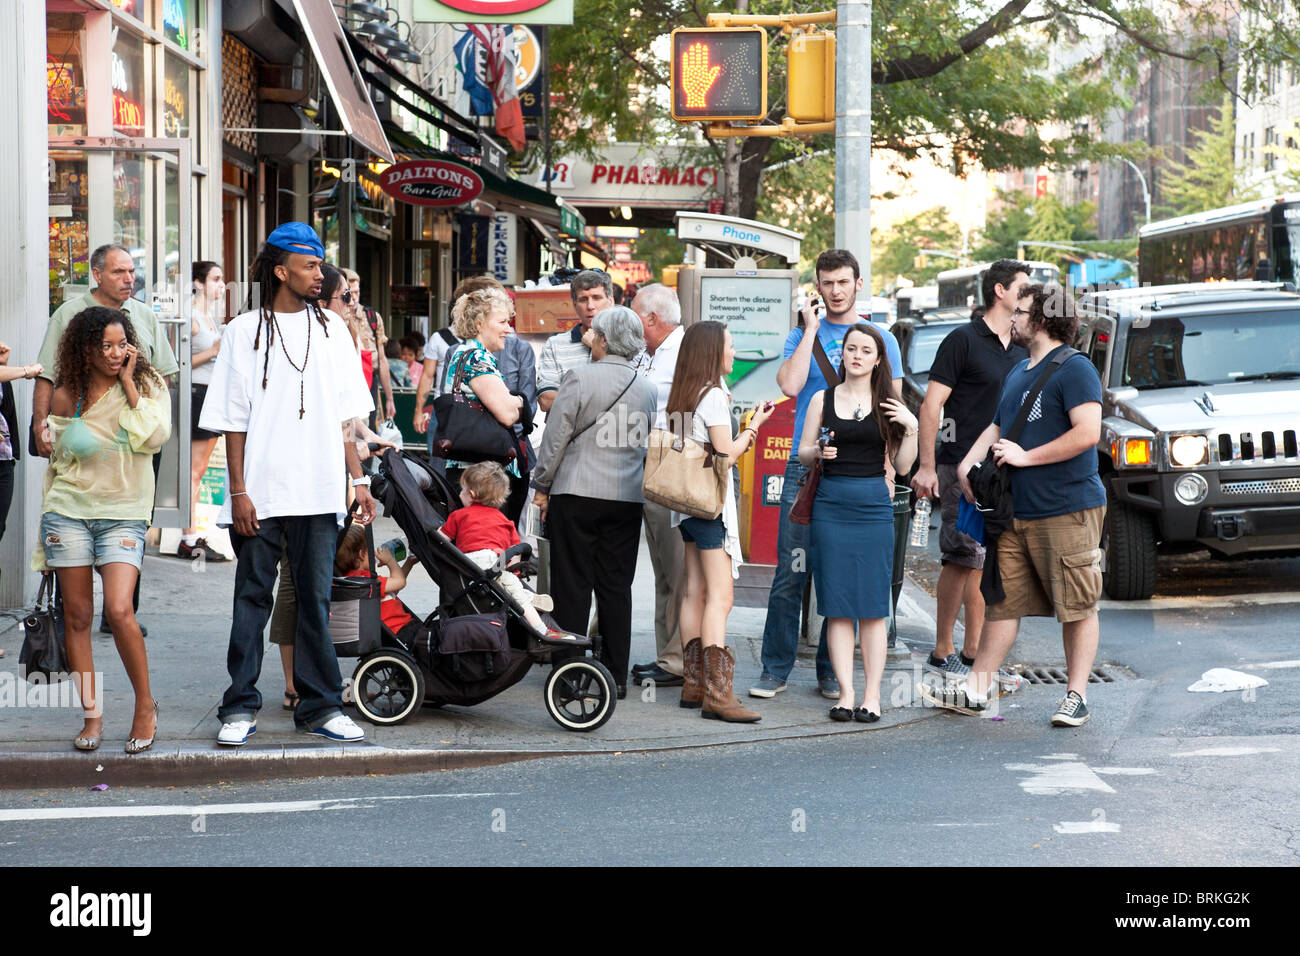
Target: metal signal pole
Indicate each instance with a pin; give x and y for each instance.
(853, 132)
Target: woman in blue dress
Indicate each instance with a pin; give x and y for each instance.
(852, 427)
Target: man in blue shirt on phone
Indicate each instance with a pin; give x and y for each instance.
(838, 282)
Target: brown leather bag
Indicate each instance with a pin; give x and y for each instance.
(801, 510)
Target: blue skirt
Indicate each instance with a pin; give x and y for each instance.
(852, 544)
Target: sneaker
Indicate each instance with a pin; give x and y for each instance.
(340, 728)
(199, 549)
(543, 603)
(1071, 712)
(768, 686)
(829, 688)
(952, 698)
(236, 732)
(949, 668)
(1009, 681)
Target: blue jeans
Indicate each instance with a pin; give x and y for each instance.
(311, 541)
(785, 600)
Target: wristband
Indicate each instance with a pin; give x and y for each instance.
(236, 494)
(363, 480)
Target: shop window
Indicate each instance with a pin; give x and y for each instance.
(176, 99)
(65, 78)
(178, 22)
(130, 85)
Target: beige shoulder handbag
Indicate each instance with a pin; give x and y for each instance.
(685, 475)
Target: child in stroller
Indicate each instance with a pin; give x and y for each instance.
(484, 533)
(353, 561)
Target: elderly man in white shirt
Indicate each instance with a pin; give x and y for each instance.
(661, 315)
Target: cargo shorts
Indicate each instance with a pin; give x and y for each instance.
(1050, 567)
(955, 546)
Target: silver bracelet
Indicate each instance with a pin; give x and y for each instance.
(236, 494)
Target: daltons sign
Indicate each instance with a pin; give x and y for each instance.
(431, 182)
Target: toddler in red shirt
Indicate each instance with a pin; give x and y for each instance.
(353, 561)
(483, 533)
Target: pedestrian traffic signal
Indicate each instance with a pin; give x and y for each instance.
(719, 73)
(810, 83)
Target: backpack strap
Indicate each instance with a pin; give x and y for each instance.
(448, 336)
(1054, 361)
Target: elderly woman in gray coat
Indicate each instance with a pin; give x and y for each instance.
(588, 484)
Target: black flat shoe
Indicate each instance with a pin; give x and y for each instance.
(659, 676)
(841, 714)
(864, 716)
(640, 668)
(622, 691)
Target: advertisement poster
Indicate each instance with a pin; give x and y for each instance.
(757, 312)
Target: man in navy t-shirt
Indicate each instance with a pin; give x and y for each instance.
(800, 378)
(1049, 558)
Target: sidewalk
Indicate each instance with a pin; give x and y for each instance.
(187, 612)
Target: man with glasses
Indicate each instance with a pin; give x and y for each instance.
(965, 381)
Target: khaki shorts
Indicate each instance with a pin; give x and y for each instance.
(955, 546)
(1050, 567)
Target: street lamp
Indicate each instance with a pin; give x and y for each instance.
(1146, 193)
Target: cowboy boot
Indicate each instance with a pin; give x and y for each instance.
(693, 674)
(719, 702)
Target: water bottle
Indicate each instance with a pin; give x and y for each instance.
(397, 548)
(921, 524)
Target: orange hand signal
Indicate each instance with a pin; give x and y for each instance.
(697, 76)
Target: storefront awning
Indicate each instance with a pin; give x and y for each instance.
(342, 77)
(507, 195)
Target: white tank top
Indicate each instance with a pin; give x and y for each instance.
(207, 336)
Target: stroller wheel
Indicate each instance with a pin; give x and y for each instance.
(580, 694)
(387, 687)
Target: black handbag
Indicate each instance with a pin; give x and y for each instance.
(44, 655)
(469, 432)
(991, 482)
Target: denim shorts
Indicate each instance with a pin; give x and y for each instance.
(81, 542)
(707, 534)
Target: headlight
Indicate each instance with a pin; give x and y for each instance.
(1191, 489)
(1188, 450)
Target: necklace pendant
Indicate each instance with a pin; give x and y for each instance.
(300, 413)
(858, 414)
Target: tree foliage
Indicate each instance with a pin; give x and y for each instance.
(899, 252)
(1208, 177)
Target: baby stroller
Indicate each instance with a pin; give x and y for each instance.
(477, 642)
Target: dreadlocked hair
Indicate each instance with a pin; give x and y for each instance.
(82, 341)
(265, 284)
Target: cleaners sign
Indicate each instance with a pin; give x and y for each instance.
(431, 182)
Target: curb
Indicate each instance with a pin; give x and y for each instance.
(192, 765)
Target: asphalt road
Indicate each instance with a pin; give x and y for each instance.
(1159, 776)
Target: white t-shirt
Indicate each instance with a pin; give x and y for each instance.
(437, 350)
(659, 368)
(292, 465)
(715, 409)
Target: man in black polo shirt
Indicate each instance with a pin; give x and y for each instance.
(965, 381)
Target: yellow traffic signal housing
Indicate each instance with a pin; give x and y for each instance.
(810, 85)
(719, 74)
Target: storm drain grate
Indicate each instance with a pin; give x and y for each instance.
(1105, 674)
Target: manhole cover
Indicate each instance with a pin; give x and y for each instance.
(1102, 674)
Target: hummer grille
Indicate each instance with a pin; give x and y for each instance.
(1277, 486)
(1258, 447)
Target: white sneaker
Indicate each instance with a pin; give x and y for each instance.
(340, 728)
(236, 732)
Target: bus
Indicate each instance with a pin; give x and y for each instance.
(914, 300)
(1251, 240)
(960, 288)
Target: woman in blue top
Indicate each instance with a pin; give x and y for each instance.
(482, 320)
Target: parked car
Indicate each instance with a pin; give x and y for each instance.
(1200, 417)
(918, 341)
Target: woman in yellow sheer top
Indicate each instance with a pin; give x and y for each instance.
(110, 413)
